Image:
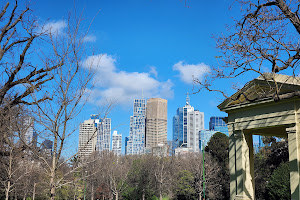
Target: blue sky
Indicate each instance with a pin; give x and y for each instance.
(148, 46)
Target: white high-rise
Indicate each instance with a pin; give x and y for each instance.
(186, 126)
(116, 143)
(29, 130)
(136, 142)
(87, 138)
(103, 134)
(195, 125)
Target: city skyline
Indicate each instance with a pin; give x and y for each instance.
(150, 117)
(163, 45)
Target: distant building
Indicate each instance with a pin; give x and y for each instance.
(218, 124)
(170, 148)
(29, 132)
(136, 142)
(103, 134)
(161, 150)
(34, 139)
(116, 143)
(46, 147)
(205, 136)
(87, 137)
(195, 125)
(182, 151)
(126, 144)
(156, 122)
(186, 126)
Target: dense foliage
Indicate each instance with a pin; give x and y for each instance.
(268, 161)
(218, 148)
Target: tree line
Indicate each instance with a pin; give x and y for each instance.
(104, 175)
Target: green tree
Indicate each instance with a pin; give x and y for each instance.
(279, 185)
(266, 161)
(184, 187)
(141, 183)
(218, 148)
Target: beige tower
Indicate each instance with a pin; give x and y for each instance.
(156, 122)
(87, 138)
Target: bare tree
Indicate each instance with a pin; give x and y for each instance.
(68, 88)
(163, 175)
(20, 76)
(264, 39)
(212, 179)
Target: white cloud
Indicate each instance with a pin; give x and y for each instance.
(113, 84)
(188, 72)
(55, 27)
(89, 38)
(153, 71)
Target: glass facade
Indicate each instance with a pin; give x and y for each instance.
(103, 134)
(218, 124)
(186, 125)
(136, 142)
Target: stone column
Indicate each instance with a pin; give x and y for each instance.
(294, 157)
(241, 166)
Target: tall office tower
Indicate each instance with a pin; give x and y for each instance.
(87, 137)
(29, 133)
(116, 143)
(186, 126)
(103, 134)
(126, 144)
(218, 124)
(136, 142)
(195, 125)
(156, 122)
(175, 138)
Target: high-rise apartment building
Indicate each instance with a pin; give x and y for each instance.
(30, 136)
(94, 134)
(136, 142)
(186, 126)
(103, 134)
(87, 138)
(126, 144)
(156, 123)
(116, 143)
(195, 125)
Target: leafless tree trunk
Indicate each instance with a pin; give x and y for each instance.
(33, 193)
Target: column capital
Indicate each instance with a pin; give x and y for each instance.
(291, 129)
(238, 134)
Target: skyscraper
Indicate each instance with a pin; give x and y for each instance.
(29, 135)
(116, 143)
(186, 126)
(136, 142)
(218, 124)
(94, 134)
(103, 134)
(195, 125)
(87, 137)
(156, 122)
(126, 144)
